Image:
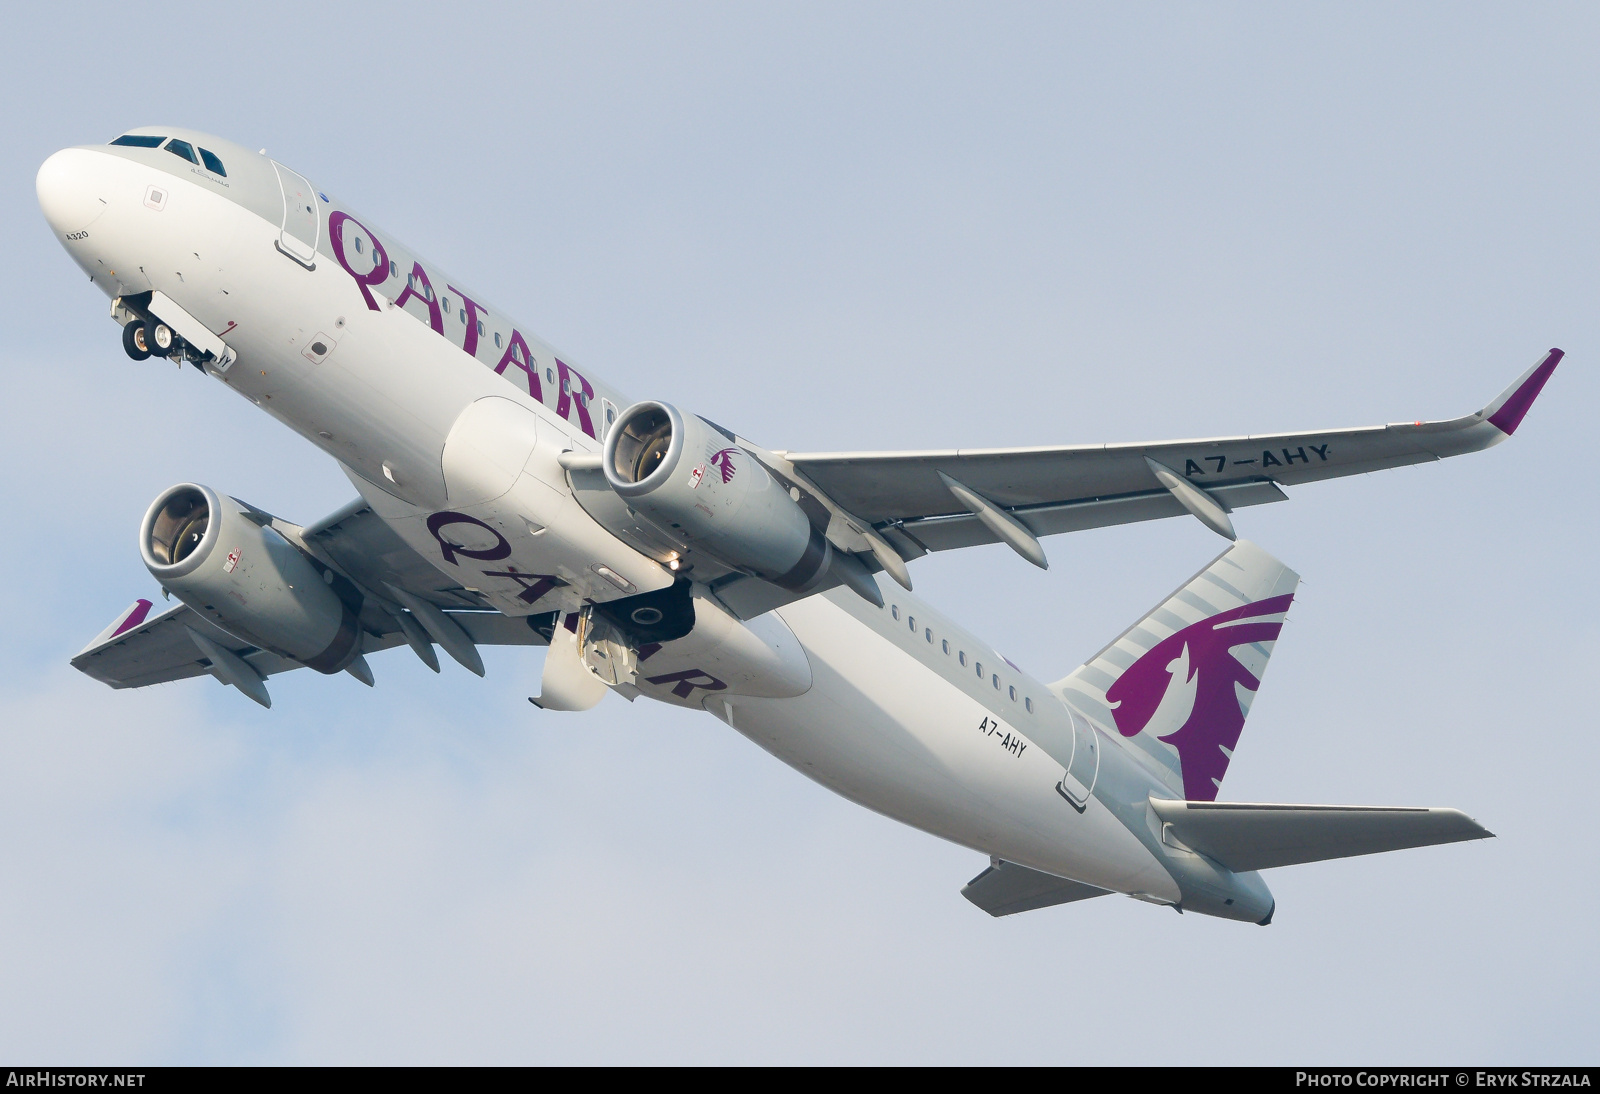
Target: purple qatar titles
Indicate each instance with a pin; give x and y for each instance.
(372, 270)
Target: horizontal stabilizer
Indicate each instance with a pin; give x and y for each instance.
(1006, 888)
(1258, 837)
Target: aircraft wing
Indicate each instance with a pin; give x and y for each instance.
(139, 649)
(142, 646)
(905, 497)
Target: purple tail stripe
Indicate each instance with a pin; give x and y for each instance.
(1509, 416)
(133, 618)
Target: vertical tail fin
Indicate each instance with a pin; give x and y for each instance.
(1177, 685)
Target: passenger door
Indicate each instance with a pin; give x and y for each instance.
(302, 225)
(1077, 782)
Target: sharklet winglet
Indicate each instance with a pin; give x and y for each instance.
(1507, 412)
(133, 617)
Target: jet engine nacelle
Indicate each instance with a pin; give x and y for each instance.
(700, 488)
(247, 579)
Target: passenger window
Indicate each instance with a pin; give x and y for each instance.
(894, 610)
(214, 165)
(911, 619)
(496, 339)
(480, 333)
(928, 634)
(979, 667)
(394, 270)
(944, 644)
(182, 149)
(962, 657)
(996, 679)
(550, 378)
(358, 244)
(1013, 695)
(1028, 705)
(136, 140)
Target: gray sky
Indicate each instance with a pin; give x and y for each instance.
(836, 226)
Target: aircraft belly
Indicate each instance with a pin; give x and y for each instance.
(889, 733)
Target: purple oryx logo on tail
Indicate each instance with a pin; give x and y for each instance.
(723, 461)
(1189, 680)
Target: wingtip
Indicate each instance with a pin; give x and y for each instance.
(133, 616)
(1506, 413)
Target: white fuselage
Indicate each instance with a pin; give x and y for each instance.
(436, 418)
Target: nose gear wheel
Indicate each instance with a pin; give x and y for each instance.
(158, 337)
(133, 340)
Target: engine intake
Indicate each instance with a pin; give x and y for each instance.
(248, 579)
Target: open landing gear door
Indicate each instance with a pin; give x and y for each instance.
(567, 683)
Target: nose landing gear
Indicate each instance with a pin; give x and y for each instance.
(145, 335)
(133, 340)
(150, 337)
(158, 337)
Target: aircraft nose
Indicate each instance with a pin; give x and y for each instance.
(69, 187)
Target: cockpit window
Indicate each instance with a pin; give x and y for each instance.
(182, 148)
(138, 140)
(213, 164)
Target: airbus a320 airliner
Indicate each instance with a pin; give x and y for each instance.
(509, 496)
